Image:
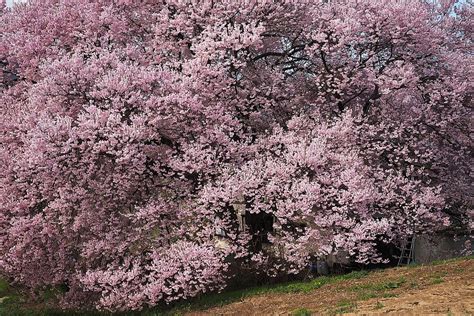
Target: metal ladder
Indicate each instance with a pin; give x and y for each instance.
(407, 254)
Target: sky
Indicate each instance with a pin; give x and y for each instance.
(10, 2)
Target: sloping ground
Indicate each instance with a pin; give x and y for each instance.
(442, 289)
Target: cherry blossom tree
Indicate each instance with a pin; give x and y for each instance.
(132, 130)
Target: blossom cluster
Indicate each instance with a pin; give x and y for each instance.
(132, 131)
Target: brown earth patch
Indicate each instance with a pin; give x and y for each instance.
(445, 289)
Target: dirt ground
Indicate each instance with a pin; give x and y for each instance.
(445, 289)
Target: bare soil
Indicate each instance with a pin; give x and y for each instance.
(444, 289)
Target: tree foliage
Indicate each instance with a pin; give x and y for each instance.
(132, 130)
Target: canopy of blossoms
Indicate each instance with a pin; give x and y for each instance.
(130, 131)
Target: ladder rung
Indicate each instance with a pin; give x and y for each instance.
(407, 251)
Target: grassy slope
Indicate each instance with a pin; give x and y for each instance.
(13, 303)
(443, 287)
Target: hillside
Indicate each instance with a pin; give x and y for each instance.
(441, 288)
(445, 288)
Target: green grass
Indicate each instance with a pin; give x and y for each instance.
(301, 312)
(445, 261)
(344, 307)
(437, 280)
(4, 288)
(9, 299)
(389, 295)
(366, 295)
(369, 291)
(220, 299)
(14, 307)
(413, 285)
(12, 303)
(413, 265)
(381, 286)
(374, 290)
(15, 304)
